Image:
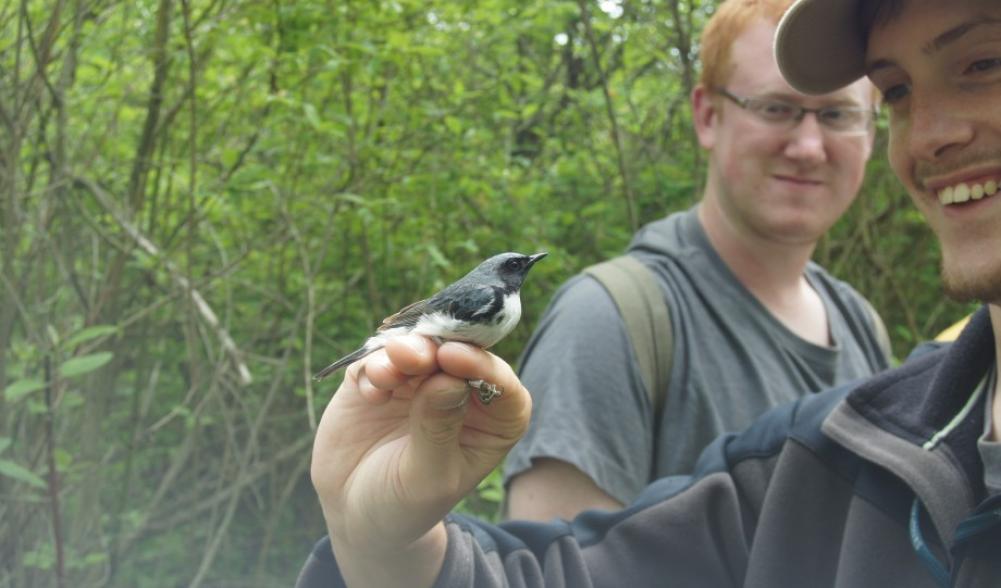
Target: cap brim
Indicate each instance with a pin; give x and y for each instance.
(819, 45)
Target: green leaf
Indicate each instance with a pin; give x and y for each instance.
(13, 470)
(64, 459)
(94, 558)
(22, 388)
(40, 558)
(352, 198)
(89, 333)
(84, 364)
(437, 256)
(453, 125)
(311, 115)
(4, 443)
(229, 156)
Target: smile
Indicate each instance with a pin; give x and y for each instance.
(801, 180)
(964, 192)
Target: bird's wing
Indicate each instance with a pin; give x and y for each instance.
(406, 316)
(474, 303)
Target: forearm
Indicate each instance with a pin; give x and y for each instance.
(416, 565)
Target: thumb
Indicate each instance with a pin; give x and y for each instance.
(432, 461)
(439, 410)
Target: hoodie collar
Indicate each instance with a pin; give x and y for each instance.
(924, 396)
(921, 421)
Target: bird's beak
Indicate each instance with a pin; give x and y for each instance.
(534, 258)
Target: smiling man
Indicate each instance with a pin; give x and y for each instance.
(753, 322)
(895, 481)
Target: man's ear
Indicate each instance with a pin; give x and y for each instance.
(705, 116)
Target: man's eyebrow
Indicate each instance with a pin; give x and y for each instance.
(958, 32)
(877, 65)
(950, 36)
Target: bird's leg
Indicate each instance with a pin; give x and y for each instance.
(486, 391)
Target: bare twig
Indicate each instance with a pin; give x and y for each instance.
(161, 62)
(627, 189)
(53, 485)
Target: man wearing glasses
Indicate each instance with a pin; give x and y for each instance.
(754, 321)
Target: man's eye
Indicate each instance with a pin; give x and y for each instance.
(983, 65)
(833, 114)
(895, 93)
(777, 110)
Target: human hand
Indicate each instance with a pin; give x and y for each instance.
(401, 442)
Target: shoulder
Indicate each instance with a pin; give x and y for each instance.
(819, 275)
(672, 237)
(578, 298)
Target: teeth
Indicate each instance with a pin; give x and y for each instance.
(945, 196)
(965, 192)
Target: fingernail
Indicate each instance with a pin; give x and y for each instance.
(415, 343)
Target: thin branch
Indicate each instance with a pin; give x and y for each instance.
(53, 485)
(202, 307)
(161, 62)
(627, 190)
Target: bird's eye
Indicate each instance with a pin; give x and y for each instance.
(514, 263)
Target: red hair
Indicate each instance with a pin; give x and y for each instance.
(729, 22)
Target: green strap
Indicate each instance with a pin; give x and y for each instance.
(647, 319)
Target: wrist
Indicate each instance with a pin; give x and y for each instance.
(416, 564)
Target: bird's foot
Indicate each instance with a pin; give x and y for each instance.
(486, 391)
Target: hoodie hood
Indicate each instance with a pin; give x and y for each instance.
(671, 235)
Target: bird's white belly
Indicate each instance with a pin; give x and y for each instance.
(484, 334)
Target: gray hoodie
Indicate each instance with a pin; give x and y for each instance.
(877, 486)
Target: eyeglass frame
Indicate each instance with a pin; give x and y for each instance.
(800, 112)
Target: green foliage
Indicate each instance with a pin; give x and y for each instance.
(201, 202)
(486, 501)
(17, 472)
(77, 366)
(21, 388)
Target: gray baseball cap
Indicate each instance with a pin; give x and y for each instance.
(820, 45)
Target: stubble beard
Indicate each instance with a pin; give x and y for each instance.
(980, 287)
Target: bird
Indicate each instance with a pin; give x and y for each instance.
(481, 308)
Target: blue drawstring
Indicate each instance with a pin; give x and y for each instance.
(935, 567)
(977, 524)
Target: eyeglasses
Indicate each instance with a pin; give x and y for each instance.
(845, 120)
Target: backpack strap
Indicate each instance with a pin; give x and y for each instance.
(647, 318)
(881, 333)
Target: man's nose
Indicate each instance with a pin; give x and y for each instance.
(807, 141)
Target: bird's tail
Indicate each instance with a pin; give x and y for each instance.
(347, 359)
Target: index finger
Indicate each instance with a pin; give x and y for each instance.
(412, 355)
(468, 362)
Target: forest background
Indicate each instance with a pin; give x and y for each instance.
(204, 201)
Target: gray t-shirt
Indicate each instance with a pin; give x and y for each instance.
(732, 361)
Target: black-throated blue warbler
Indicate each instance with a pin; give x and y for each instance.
(481, 307)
